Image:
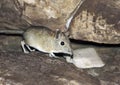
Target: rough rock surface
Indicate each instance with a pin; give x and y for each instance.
(110, 74)
(97, 21)
(50, 13)
(11, 57)
(37, 69)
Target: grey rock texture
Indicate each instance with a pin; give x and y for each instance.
(97, 21)
(37, 69)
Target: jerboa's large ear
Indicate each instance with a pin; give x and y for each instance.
(58, 33)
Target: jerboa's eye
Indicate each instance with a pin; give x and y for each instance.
(62, 43)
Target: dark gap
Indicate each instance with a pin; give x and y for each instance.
(62, 54)
(93, 43)
(14, 35)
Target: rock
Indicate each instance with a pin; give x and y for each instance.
(52, 14)
(97, 21)
(37, 69)
(10, 13)
(10, 43)
(109, 74)
(83, 58)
